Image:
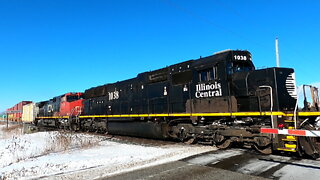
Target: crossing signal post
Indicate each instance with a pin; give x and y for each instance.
(7, 120)
(11, 112)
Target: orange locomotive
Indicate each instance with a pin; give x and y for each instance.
(71, 104)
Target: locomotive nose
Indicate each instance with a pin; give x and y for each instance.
(281, 81)
(261, 84)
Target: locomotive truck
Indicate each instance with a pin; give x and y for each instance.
(221, 99)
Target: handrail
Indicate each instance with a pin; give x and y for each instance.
(76, 108)
(271, 103)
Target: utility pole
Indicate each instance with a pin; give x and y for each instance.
(277, 53)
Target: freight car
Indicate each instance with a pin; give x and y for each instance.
(15, 113)
(29, 112)
(220, 99)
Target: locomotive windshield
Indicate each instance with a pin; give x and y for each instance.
(73, 98)
(239, 66)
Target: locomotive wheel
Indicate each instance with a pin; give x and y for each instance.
(225, 144)
(264, 150)
(73, 127)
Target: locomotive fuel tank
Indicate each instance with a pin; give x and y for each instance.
(139, 129)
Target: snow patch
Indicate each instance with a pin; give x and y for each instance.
(303, 169)
(256, 167)
(21, 148)
(296, 173)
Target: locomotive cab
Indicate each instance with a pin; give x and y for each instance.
(240, 61)
(71, 104)
(214, 91)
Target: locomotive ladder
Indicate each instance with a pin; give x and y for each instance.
(290, 140)
(75, 122)
(303, 135)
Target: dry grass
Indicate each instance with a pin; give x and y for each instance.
(12, 127)
(62, 141)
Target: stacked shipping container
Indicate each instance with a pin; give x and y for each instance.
(29, 112)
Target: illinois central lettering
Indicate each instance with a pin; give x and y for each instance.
(208, 90)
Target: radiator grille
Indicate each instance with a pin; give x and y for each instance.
(291, 85)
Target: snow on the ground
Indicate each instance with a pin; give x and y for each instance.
(19, 148)
(304, 169)
(297, 173)
(256, 167)
(80, 156)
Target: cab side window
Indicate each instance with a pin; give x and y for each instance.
(208, 74)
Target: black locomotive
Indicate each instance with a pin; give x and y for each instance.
(220, 99)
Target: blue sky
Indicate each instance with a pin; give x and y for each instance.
(51, 47)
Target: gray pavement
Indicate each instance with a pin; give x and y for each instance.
(180, 170)
(231, 164)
